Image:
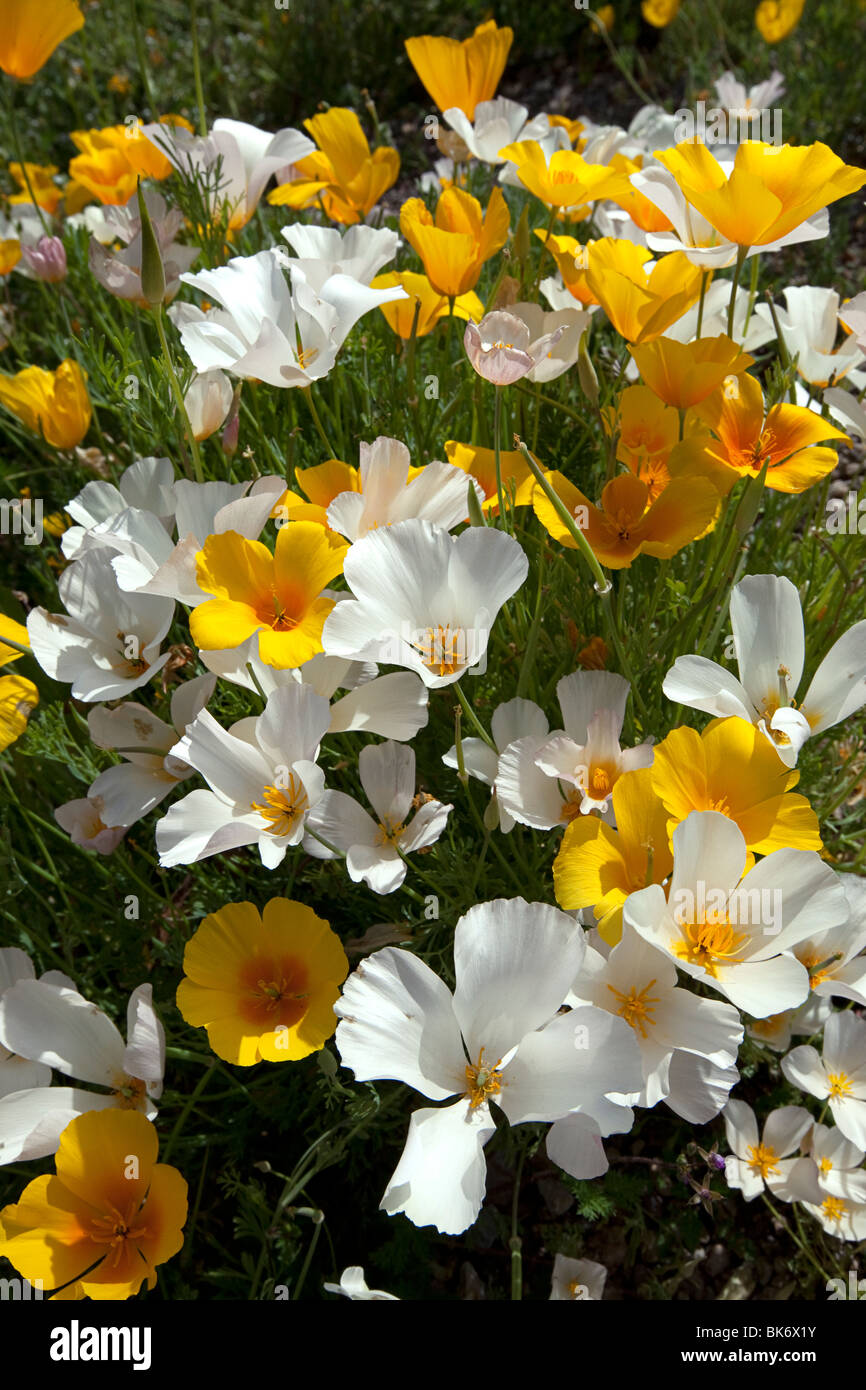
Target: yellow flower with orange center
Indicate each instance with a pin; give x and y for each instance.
(276, 594)
(641, 305)
(461, 74)
(628, 523)
(54, 404)
(786, 439)
(31, 31)
(429, 304)
(111, 1214)
(683, 374)
(647, 430)
(263, 985)
(771, 190)
(342, 176)
(455, 242)
(599, 867)
(732, 768)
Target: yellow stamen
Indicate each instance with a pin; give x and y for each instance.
(442, 647)
(840, 1084)
(637, 1007)
(482, 1081)
(709, 944)
(833, 1208)
(282, 806)
(762, 1158)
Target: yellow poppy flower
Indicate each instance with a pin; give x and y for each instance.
(573, 128)
(275, 594)
(110, 1205)
(264, 986)
(52, 404)
(771, 190)
(31, 30)
(572, 261)
(461, 74)
(17, 632)
(642, 212)
(732, 768)
(400, 314)
(567, 180)
(639, 305)
(659, 13)
(113, 158)
(776, 19)
(456, 242)
(321, 484)
(10, 255)
(647, 431)
(682, 374)
(744, 439)
(627, 524)
(342, 174)
(42, 185)
(18, 698)
(481, 465)
(599, 867)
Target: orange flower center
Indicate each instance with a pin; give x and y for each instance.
(709, 944)
(274, 990)
(482, 1081)
(442, 649)
(114, 1230)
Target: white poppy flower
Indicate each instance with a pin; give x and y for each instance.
(247, 158)
(809, 324)
(512, 720)
(637, 982)
(560, 330)
(756, 1161)
(353, 1285)
(129, 790)
(19, 1073)
(846, 409)
(838, 1076)
(207, 402)
(498, 1037)
(82, 819)
(436, 494)
(146, 485)
(271, 330)
(394, 706)
(545, 781)
(496, 123)
(109, 644)
(262, 776)
(732, 932)
(424, 599)
(577, 1280)
(739, 100)
(837, 1163)
(374, 849)
(53, 1025)
(320, 252)
(501, 348)
(767, 623)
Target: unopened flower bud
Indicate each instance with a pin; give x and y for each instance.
(47, 259)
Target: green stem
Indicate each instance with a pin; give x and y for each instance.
(16, 145)
(196, 68)
(473, 717)
(178, 396)
(735, 284)
(307, 392)
(602, 583)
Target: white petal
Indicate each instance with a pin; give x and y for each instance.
(58, 1027)
(31, 1122)
(442, 1175)
(767, 621)
(144, 1056)
(574, 1144)
(839, 685)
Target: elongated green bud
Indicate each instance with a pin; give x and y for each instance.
(586, 371)
(152, 268)
(476, 515)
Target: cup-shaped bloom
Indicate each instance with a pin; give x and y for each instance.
(111, 1214)
(428, 304)
(770, 191)
(682, 374)
(598, 867)
(731, 768)
(769, 641)
(48, 1022)
(461, 74)
(424, 599)
(54, 405)
(497, 123)
(563, 178)
(734, 932)
(278, 595)
(208, 401)
(581, 1280)
(342, 175)
(629, 521)
(756, 1160)
(809, 323)
(391, 490)
(455, 242)
(263, 985)
(786, 439)
(31, 32)
(641, 305)
(120, 269)
(514, 963)
(47, 259)
(838, 1075)
(500, 347)
(776, 19)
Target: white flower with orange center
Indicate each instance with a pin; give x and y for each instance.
(424, 599)
(375, 850)
(734, 932)
(638, 983)
(53, 1025)
(838, 1075)
(391, 490)
(767, 623)
(499, 1038)
(262, 777)
(765, 1159)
